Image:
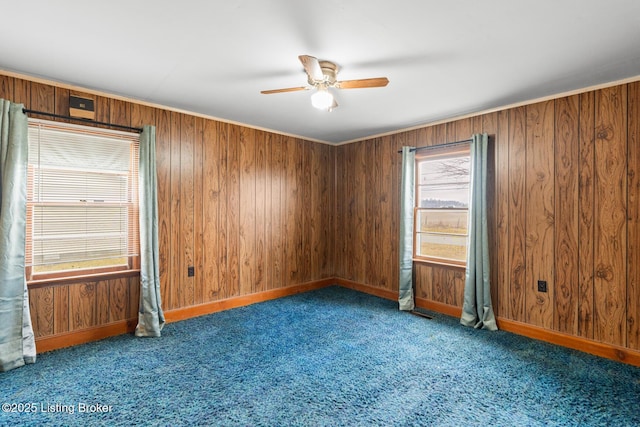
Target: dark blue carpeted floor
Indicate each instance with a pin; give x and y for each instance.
(330, 357)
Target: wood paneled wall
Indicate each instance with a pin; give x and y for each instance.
(565, 208)
(250, 210)
(254, 211)
(367, 211)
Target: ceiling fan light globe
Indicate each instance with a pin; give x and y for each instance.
(322, 100)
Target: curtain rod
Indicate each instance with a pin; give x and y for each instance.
(79, 119)
(448, 144)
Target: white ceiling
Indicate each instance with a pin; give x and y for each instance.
(444, 58)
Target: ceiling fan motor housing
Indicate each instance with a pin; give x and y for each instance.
(329, 71)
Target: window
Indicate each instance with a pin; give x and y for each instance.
(442, 205)
(82, 200)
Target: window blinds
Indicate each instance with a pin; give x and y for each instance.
(82, 199)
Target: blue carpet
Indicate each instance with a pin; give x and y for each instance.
(332, 357)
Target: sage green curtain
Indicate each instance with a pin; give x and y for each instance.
(477, 310)
(150, 314)
(17, 342)
(405, 294)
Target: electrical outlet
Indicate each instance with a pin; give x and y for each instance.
(542, 286)
(190, 271)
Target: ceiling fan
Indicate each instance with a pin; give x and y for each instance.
(322, 75)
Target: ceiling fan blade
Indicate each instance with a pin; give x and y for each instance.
(312, 67)
(363, 83)
(288, 89)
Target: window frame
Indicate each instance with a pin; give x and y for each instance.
(132, 265)
(457, 150)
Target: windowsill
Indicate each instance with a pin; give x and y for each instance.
(41, 283)
(439, 263)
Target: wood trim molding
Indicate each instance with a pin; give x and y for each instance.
(439, 307)
(241, 301)
(609, 351)
(96, 277)
(490, 110)
(68, 339)
(367, 289)
(63, 85)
